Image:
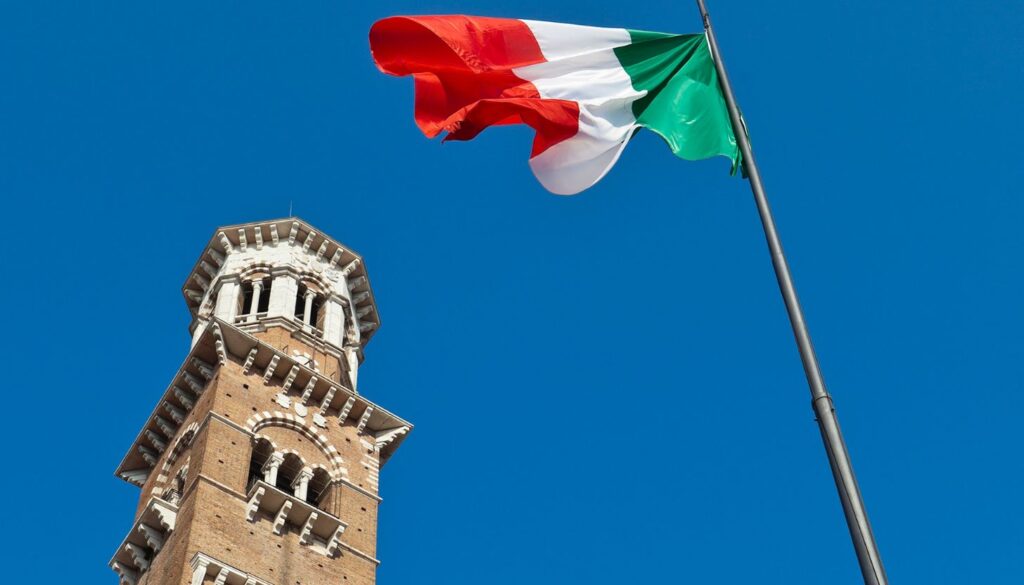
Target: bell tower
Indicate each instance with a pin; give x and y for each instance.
(260, 463)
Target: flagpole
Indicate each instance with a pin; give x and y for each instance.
(821, 402)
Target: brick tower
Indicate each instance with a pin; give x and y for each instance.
(259, 464)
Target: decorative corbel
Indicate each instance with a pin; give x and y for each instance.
(208, 268)
(170, 429)
(254, 504)
(218, 258)
(148, 455)
(306, 536)
(309, 389)
(158, 441)
(154, 538)
(282, 517)
(202, 282)
(343, 413)
(135, 476)
(364, 419)
(139, 556)
(350, 267)
(309, 241)
(204, 368)
(249, 359)
(194, 383)
(225, 242)
(269, 372)
(290, 378)
(335, 542)
(185, 398)
(384, 438)
(218, 344)
(326, 402)
(128, 575)
(177, 414)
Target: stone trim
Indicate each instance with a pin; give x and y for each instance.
(290, 421)
(203, 565)
(183, 442)
(147, 536)
(318, 529)
(361, 490)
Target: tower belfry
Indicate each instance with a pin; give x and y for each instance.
(260, 463)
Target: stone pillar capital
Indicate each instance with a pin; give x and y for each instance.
(301, 483)
(199, 565)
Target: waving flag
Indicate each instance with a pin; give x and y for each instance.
(584, 90)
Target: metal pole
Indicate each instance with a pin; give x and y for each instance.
(821, 401)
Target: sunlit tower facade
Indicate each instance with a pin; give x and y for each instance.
(260, 463)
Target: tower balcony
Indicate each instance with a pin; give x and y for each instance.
(144, 541)
(312, 334)
(317, 529)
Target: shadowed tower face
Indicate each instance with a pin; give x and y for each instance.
(260, 463)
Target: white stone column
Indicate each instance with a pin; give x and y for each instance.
(334, 322)
(257, 292)
(352, 359)
(301, 483)
(270, 468)
(199, 571)
(198, 332)
(226, 308)
(307, 311)
(282, 296)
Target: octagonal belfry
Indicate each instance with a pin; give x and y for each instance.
(283, 280)
(260, 463)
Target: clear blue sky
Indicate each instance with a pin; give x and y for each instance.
(605, 387)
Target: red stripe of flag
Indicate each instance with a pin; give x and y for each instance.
(464, 79)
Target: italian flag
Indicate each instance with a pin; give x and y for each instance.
(584, 90)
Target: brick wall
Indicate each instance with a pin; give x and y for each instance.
(212, 514)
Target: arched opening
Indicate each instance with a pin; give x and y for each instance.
(318, 486)
(289, 472)
(308, 299)
(262, 449)
(263, 424)
(174, 493)
(262, 304)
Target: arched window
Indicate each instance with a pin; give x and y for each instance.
(318, 485)
(261, 452)
(249, 294)
(289, 473)
(174, 494)
(308, 299)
